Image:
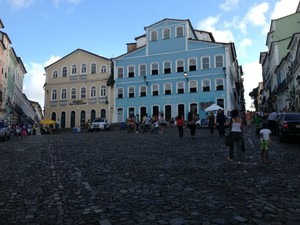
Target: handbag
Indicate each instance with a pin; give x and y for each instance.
(228, 140)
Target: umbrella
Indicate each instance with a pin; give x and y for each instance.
(47, 122)
(213, 107)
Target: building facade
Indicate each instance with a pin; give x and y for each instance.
(174, 68)
(279, 70)
(76, 89)
(14, 105)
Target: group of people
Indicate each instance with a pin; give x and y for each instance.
(154, 124)
(235, 126)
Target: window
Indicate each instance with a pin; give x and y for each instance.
(93, 92)
(64, 71)
(73, 93)
(83, 92)
(179, 31)
(167, 88)
(103, 69)
(154, 68)
(142, 70)
(120, 92)
(192, 64)
(143, 91)
(64, 94)
(153, 35)
(131, 92)
(54, 74)
(83, 68)
(179, 65)
(103, 91)
(205, 63)
(219, 61)
(131, 71)
(219, 84)
(193, 86)
(93, 68)
(74, 69)
(155, 89)
(180, 88)
(120, 72)
(166, 33)
(167, 67)
(205, 85)
(54, 95)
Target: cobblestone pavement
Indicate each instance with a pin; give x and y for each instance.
(110, 178)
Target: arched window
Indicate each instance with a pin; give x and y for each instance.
(54, 95)
(74, 69)
(103, 91)
(168, 89)
(192, 64)
(73, 93)
(64, 72)
(54, 75)
(64, 94)
(93, 68)
(131, 92)
(180, 65)
(153, 35)
(154, 68)
(83, 68)
(130, 71)
(120, 72)
(167, 67)
(93, 92)
(83, 92)
(103, 69)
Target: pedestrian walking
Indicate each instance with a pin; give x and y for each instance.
(192, 123)
(180, 123)
(211, 123)
(265, 140)
(236, 128)
(162, 122)
(137, 123)
(220, 122)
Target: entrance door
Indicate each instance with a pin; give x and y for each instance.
(120, 115)
(82, 119)
(155, 110)
(168, 113)
(63, 120)
(143, 112)
(72, 119)
(181, 110)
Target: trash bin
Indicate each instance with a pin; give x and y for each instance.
(75, 130)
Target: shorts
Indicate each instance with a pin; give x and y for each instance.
(264, 145)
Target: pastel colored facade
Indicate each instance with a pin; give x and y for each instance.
(14, 105)
(280, 64)
(174, 68)
(76, 89)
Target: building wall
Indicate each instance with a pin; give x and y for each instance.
(75, 110)
(171, 50)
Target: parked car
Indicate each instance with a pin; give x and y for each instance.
(203, 122)
(5, 130)
(99, 124)
(288, 125)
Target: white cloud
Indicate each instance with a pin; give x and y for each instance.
(18, 4)
(229, 5)
(209, 24)
(242, 47)
(252, 77)
(35, 79)
(284, 8)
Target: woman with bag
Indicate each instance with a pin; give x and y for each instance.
(236, 132)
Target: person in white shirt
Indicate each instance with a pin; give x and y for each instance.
(265, 140)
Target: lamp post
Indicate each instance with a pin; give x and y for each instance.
(224, 71)
(145, 80)
(186, 76)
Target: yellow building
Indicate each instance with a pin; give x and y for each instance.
(76, 90)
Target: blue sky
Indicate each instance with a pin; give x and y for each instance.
(42, 31)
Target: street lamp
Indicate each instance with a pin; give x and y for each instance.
(224, 71)
(145, 80)
(298, 79)
(186, 76)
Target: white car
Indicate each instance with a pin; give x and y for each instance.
(99, 124)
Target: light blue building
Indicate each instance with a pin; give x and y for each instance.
(174, 69)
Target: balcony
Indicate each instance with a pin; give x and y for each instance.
(82, 77)
(74, 77)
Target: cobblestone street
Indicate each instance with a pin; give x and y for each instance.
(110, 178)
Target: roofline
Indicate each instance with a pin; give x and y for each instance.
(78, 49)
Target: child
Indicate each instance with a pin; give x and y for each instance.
(265, 141)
